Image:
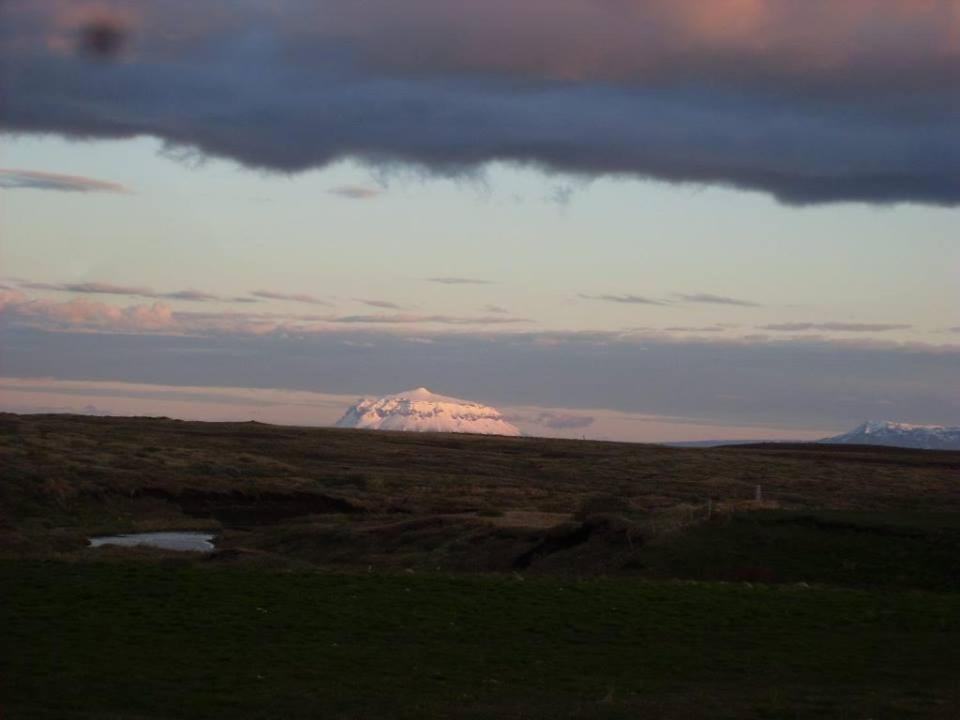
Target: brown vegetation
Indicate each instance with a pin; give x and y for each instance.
(455, 502)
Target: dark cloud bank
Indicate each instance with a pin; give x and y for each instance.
(786, 384)
(809, 100)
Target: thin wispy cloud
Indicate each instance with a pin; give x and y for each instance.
(459, 281)
(626, 299)
(355, 192)
(191, 295)
(384, 304)
(427, 319)
(16, 308)
(834, 327)
(675, 299)
(102, 288)
(709, 299)
(702, 328)
(563, 421)
(11, 179)
(95, 288)
(291, 297)
(561, 195)
(87, 315)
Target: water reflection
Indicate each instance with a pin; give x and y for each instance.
(184, 541)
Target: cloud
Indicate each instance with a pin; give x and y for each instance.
(17, 309)
(707, 298)
(84, 314)
(293, 297)
(495, 309)
(563, 421)
(11, 298)
(801, 99)
(191, 295)
(385, 304)
(624, 299)
(102, 288)
(561, 195)
(401, 319)
(835, 327)
(91, 287)
(458, 281)
(352, 192)
(786, 382)
(36, 180)
(703, 298)
(103, 37)
(702, 328)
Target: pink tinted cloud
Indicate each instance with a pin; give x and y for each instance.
(14, 179)
(410, 319)
(561, 39)
(646, 39)
(84, 314)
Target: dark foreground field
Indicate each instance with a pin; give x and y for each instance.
(170, 640)
(367, 575)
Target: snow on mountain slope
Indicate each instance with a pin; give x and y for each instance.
(422, 411)
(925, 437)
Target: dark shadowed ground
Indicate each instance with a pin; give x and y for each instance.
(369, 575)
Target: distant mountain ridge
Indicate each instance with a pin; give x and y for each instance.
(420, 410)
(894, 434)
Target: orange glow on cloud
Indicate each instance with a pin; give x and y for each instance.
(635, 39)
(560, 39)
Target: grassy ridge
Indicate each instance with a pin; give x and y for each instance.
(176, 640)
(851, 516)
(79, 465)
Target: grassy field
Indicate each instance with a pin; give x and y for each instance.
(858, 516)
(383, 575)
(178, 640)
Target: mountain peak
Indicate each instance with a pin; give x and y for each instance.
(420, 393)
(420, 410)
(896, 434)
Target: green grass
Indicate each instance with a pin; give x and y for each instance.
(858, 549)
(191, 640)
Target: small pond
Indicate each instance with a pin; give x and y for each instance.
(187, 541)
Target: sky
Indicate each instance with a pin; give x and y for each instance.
(626, 219)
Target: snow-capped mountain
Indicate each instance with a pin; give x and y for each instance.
(422, 411)
(925, 437)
